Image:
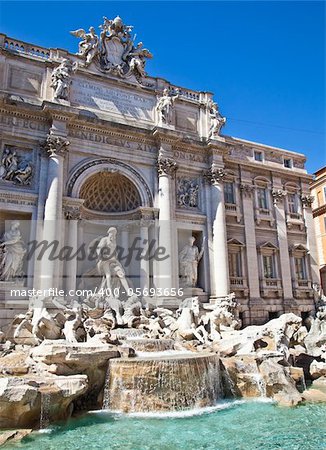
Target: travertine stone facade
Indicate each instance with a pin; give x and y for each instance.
(105, 128)
(318, 192)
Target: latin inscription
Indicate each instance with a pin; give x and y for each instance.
(104, 139)
(115, 101)
(13, 121)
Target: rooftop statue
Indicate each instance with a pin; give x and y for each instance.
(61, 79)
(165, 105)
(217, 120)
(114, 51)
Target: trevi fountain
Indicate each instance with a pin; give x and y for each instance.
(118, 369)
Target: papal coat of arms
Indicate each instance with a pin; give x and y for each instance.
(114, 51)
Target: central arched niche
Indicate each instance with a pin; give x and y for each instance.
(110, 192)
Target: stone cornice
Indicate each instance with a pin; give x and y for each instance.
(23, 113)
(319, 211)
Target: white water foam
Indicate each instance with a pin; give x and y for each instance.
(184, 413)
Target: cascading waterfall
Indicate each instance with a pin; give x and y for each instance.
(45, 409)
(261, 385)
(165, 383)
(106, 391)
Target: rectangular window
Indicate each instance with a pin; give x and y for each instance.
(293, 203)
(325, 224)
(287, 162)
(229, 196)
(324, 194)
(235, 266)
(268, 266)
(300, 268)
(258, 156)
(262, 198)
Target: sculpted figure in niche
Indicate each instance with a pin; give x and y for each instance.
(61, 79)
(165, 106)
(108, 264)
(217, 120)
(12, 251)
(189, 258)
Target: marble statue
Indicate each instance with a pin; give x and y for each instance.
(189, 258)
(15, 169)
(61, 79)
(114, 51)
(12, 251)
(88, 48)
(221, 318)
(187, 325)
(108, 264)
(164, 106)
(217, 120)
(137, 60)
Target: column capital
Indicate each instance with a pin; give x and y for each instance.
(307, 200)
(247, 189)
(214, 175)
(72, 212)
(56, 145)
(166, 166)
(278, 195)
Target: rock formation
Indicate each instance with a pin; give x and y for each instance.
(56, 360)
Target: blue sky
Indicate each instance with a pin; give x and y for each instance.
(265, 61)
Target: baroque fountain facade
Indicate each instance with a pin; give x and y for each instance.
(140, 240)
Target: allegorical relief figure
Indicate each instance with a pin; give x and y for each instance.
(61, 79)
(189, 258)
(12, 251)
(187, 193)
(14, 168)
(165, 105)
(217, 120)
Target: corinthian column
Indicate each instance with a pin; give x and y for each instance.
(73, 216)
(307, 201)
(166, 169)
(220, 271)
(56, 147)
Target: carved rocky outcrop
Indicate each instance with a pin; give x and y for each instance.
(275, 335)
(63, 358)
(22, 399)
(91, 359)
(279, 384)
(315, 341)
(318, 369)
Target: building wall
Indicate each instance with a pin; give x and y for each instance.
(318, 191)
(243, 206)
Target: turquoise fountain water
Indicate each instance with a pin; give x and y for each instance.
(229, 426)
